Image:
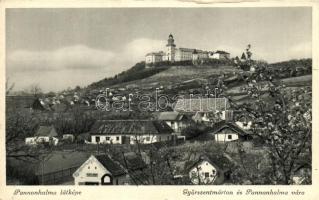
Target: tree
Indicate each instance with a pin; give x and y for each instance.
(282, 121)
(193, 131)
(9, 86)
(35, 90)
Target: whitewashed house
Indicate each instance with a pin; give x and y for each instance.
(208, 170)
(100, 170)
(69, 137)
(244, 125)
(245, 121)
(45, 134)
(130, 132)
(227, 132)
(177, 121)
(104, 170)
(205, 109)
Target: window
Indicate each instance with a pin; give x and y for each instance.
(91, 174)
(97, 139)
(107, 138)
(117, 138)
(229, 137)
(214, 171)
(206, 174)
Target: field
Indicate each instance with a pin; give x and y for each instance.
(179, 74)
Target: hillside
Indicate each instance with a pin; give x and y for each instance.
(138, 71)
(176, 69)
(186, 78)
(180, 75)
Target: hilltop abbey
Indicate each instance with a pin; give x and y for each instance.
(173, 54)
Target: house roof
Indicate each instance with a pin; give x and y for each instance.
(133, 127)
(46, 131)
(201, 105)
(217, 160)
(221, 52)
(115, 168)
(223, 124)
(170, 116)
(133, 161)
(61, 160)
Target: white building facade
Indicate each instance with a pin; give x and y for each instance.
(173, 54)
(203, 173)
(130, 132)
(95, 172)
(130, 139)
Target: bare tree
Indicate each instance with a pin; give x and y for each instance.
(35, 90)
(9, 86)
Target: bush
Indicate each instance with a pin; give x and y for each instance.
(193, 131)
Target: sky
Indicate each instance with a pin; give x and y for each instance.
(64, 47)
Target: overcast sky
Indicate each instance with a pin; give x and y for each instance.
(61, 48)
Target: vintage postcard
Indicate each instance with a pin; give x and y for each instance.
(159, 100)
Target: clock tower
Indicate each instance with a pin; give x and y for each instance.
(170, 48)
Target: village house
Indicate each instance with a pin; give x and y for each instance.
(205, 109)
(244, 125)
(228, 131)
(44, 134)
(58, 167)
(177, 121)
(209, 170)
(104, 170)
(68, 137)
(244, 122)
(100, 170)
(173, 54)
(130, 132)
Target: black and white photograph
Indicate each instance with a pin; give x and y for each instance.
(98, 97)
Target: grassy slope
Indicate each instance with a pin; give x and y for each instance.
(179, 74)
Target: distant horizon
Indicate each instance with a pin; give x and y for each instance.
(62, 48)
